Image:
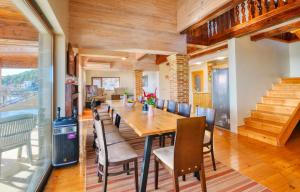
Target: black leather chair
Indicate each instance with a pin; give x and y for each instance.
(160, 103)
(184, 109)
(172, 106)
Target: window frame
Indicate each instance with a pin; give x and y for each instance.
(101, 78)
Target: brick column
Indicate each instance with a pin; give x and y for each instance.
(179, 78)
(138, 87)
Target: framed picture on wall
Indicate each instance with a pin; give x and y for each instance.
(145, 81)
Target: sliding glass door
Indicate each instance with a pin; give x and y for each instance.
(26, 108)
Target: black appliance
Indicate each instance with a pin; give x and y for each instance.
(65, 141)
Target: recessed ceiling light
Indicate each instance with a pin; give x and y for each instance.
(198, 63)
(123, 58)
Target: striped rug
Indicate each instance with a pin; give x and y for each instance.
(224, 179)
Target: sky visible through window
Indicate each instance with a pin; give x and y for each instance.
(6, 71)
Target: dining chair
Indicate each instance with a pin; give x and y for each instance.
(160, 103)
(140, 99)
(171, 106)
(184, 109)
(210, 115)
(114, 155)
(182, 158)
(112, 135)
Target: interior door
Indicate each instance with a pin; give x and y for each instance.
(221, 97)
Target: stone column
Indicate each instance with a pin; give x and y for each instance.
(138, 87)
(179, 78)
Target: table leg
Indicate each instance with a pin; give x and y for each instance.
(145, 163)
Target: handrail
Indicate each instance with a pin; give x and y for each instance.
(243, 12)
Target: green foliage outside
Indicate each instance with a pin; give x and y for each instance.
(20, 78)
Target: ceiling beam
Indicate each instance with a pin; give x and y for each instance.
(283, 29)
(161, 59)
(209, 51)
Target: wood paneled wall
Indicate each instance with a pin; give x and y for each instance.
(191, 11)
(125, 25)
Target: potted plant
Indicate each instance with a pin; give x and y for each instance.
(150, 101)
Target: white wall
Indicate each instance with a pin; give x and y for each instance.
(126, 78)
(164, 81)
(153, 81)
(295, 59)
(253, 67)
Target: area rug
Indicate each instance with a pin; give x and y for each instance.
(224, 179)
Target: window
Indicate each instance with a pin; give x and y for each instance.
(26, 109)
(108, 83)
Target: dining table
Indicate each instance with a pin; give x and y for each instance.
(145, 125)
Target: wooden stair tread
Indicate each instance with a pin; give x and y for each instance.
(269, 112)
(273, 123)
(275, 108)
(293, 80)
(259, 135)
(292, 102)
(263, 132)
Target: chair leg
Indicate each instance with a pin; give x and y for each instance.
(29, 152)
(128, 168)
(156, 170)
(172, 139)
(197, 175)
(105, 175)
(160, 141)
(163, 140)
(176, 183)
(20, 152)
(97, 158)
(213, 157)
(203, 179)
(100, 168)
(136, 175)
(0, 162)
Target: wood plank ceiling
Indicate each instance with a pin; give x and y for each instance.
(18, 38)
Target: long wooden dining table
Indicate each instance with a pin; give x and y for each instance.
(147, 126)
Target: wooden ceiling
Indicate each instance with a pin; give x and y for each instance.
(287, 33)
(93, 59)
(18, 38)
(13, 25)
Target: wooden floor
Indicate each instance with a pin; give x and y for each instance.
(278, 168)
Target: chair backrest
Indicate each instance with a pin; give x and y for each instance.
(172, 106)
(96, 117)
(16, 130)
(210, 115)
(140, 99)
(160, 103)
(184, 109)
(188, 148)
(100, 91)
(99, 125)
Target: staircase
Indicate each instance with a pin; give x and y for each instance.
(275, 118)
